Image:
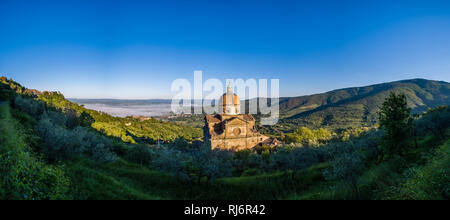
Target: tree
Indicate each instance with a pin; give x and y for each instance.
(308, 137)
(346, 167)
(294, 159)
(209, 163)
(5, 93)
(62, 143)
(86, 119)
(395, 120)
(29, 105)
(72, 118)
(141, 154)
(435, 120)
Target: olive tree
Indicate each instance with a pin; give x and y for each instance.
(346, 167)
(294, 159)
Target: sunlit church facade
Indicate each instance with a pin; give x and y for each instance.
(231, 130)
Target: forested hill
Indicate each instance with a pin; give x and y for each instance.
(358, 106)
(51, 148)
(129, 129)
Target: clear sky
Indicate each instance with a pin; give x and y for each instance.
(135, 49)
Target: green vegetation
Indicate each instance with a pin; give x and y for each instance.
(355, 107)
(306, 136)
(24, 174)
(127, 129)
(430, 181)
(51, 148)
(345, 110)
(196, 121)
(396, 121)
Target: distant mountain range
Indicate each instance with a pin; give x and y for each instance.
(358, 106)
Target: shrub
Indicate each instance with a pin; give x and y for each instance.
(192, 166)
(62, 143)
(431, 181)
(294, 159)
(24, 177)
(141, 154)
(29, 105)
(23, 174)
(308, 137)
(435, 120)
(346, 167)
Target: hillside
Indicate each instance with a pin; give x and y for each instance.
(358, 106)
(129, 129)
(51, 149)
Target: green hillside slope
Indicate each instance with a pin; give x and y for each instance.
(51, 149)
(356, 107)
(24, 175)
(129, 129)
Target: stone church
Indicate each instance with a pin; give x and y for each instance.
(231, 130)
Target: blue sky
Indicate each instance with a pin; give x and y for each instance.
(135, 49)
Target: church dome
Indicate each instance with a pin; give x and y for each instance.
(230, 102)
(230, 99)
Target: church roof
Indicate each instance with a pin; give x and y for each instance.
(212, 118)
(248, 117)
(228, 121)
(271, 142)
(230, 99)
(217, 118)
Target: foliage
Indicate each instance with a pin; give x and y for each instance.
(396, 121)
(346, 167)
(351, 133)
(129, 129)
(24, 175)
(105, 157)
(141, 154)
(308, 137)
(29, 106)
(192, 165)
(435, 120)
(355, 107)
(245, 161)
(294, 159)
(63, 143)
(431, 181)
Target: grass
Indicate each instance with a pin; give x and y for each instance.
(267, 186)
(125, 180)
(10, 137)
(24, 174)
(100, 182)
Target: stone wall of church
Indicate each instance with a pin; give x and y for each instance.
(231, 132)
(236, 131)
(239, 143)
